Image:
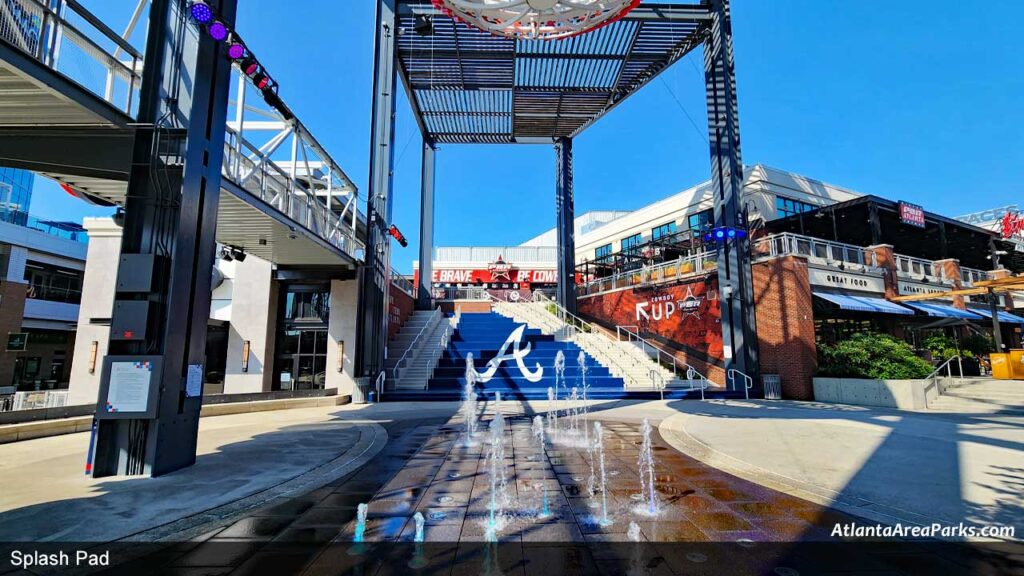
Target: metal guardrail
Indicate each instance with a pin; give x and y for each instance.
(64, 36)
(671, 271)
(823, 251)
(402, 283)
(472, 293)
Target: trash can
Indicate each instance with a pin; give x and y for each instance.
(772, 386)
(361, 391)
(1000, 366)
(1017, 364)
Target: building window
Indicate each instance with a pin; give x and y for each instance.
(46, 282)
(788, 206)
(632, 242)
(603, 251)
(664, 230)
(701, 222)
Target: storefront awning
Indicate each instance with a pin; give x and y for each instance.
(864, 304)
(1003, 316)
(943, 310)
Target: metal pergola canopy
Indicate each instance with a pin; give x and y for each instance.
(467, 86)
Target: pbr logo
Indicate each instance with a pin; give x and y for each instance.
(500, 270)
(664, 307)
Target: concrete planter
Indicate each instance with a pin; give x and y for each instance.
(901, 394)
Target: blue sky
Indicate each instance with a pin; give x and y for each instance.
(904, 100)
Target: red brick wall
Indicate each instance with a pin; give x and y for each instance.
(402, 306)
(785, 324)
(465, 306)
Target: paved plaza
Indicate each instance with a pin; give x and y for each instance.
(298, 510)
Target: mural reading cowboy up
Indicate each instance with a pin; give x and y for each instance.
(686, 314)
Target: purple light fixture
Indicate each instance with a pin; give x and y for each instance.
(236, 50)
(218, 31)
(201, 12)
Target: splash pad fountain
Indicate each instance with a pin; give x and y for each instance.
(469, 405)
(648, 497)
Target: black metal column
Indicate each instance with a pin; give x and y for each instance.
(375, 275)
(997, 329)
(423, 291)
(566, 221)
(739, 334)
(170, 223)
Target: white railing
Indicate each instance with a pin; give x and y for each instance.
(969, 276)
(471, 293)
(34, 400)
(816, 250)
(279, 161)
(379, 384)
(664, 272)
(748, 382)
(446, 337)
(662, 357)
(513, 254)
(69, 39)
(402, 283)
(920, 269)
(427, 328)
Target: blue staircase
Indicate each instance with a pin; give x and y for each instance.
(483, 334)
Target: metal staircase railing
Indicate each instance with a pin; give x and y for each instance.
(747, 381)
(427, 328)
(662, 357)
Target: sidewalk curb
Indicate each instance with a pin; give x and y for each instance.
(47, 428)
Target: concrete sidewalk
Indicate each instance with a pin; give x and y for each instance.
(243, 460)
(882, 464)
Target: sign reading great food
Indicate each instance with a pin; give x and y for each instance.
(911, 214)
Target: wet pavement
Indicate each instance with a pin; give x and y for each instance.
(707, 522)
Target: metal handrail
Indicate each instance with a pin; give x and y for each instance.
(748, 381)
(431, 324)
(690, 370)
(948, 365)
(571, 330)
(380, 386)
(402, 283)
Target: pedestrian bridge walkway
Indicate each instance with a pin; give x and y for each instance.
(70, 87)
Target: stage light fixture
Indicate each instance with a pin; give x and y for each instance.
(262, 81)
(397, 235)
(719, 234)
(201, 12)
(248, 65)
(218, 31)
(236, 49)
(424, 25)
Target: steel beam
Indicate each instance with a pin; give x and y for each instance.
(997, 330)
(565, 222)
(86, 152)
(739, 333)
(170, 221)
(423, 291)
(375, 275)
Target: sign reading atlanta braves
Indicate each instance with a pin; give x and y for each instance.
(687, 314)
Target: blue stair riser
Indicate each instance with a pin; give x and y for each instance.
(521, 395)
(571, 362)
(512, 370)
(460, 350)
(520, 382)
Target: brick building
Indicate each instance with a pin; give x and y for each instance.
(826, 262)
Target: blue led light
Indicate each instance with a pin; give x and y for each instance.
(732, 233)
(201, 13)
(719, 234)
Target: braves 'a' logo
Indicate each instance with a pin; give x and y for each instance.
(513, 349)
